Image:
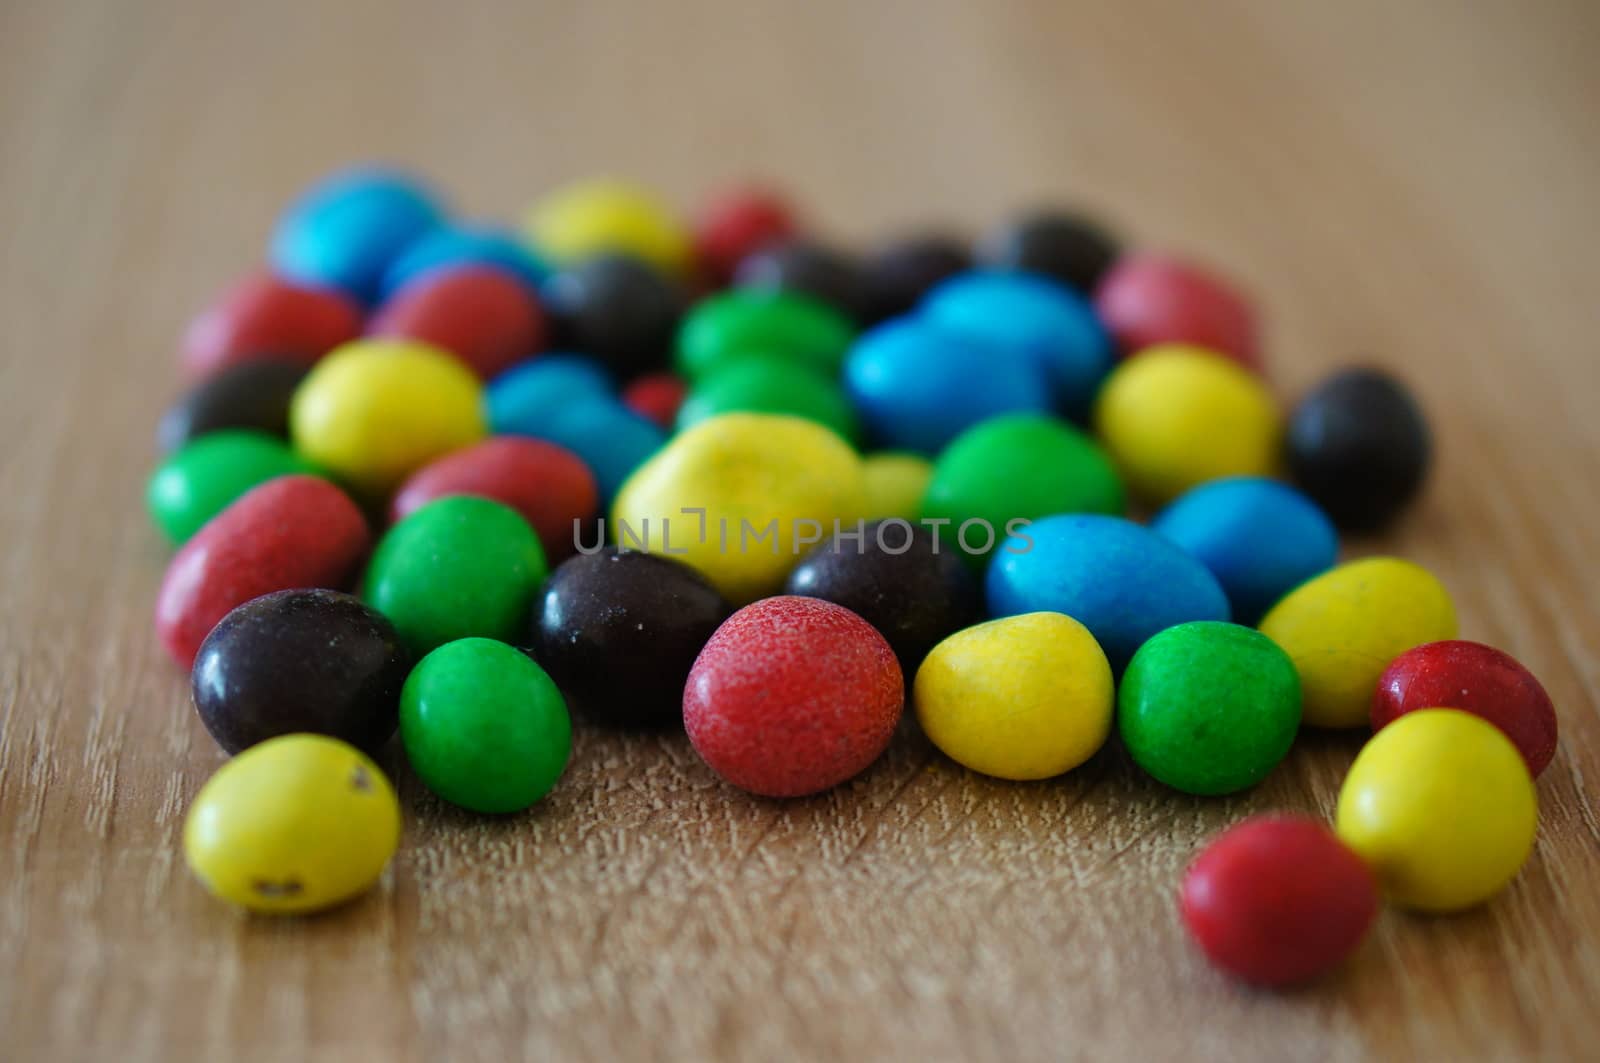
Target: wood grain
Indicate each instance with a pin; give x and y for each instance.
(1411, 184)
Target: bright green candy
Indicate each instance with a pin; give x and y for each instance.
(456, 567)
(768, 384)
(204, 477)
(1208, 707)
(743, 322)
(1020, 465)
(484, 727)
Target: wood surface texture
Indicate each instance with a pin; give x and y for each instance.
(1409, 183)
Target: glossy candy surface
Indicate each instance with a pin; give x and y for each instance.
(917, 386)
(1148, 299)
(592, 218)
(1174, 417)
(1277, 900)
(375, 411)
(1120, 580)
(897, 577)
(1441, 806)
(482, 315)
(294, 531)
(618, 631)
(792, 696)
(1259, 537)
(525, 398)
(656, 397)
(1020, 466)
(1068, 248)
(296, 824)
(769, 384)
(734, 225)
(203, 478)
(484, 727)
(1359, 444)
(1343, 628)
(734, 324)
(807, 268)
(1475, 678)
(347, 230)
(466, 245)
(546, 484)
(251, 395)
(618, 310)
(267, 318)
(1023, 697)
(314, 661)
(1209, 708)
(897, 276)
(895, 484)
(607, 436)
(763, 481)
(457, 567)
(1046, 322)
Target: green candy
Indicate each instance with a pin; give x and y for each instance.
(484, 727)
(743, 322)
(1020, 465)
(1208, 707)
(766, 384)
(207, 474)
(457, 567)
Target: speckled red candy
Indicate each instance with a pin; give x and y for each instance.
(1457, 674)
(483, 316)
(295, 531)
(792, 696)
(265, 317)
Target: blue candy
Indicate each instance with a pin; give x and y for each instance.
(917, 386)
(1049, 321)
(524, 398)
(481, 245)
(348, 230)
(1119, 579)
(1260, 538)
(610, 438)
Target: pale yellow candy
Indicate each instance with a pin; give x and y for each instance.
(596, 217)
(1441, 805)
(297, 823)
(374, 411)
(896, 483)
(1175, 416)
(766, 483)
(1343, 628)
(1024, 697)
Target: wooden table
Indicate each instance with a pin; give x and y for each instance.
(1410, 184)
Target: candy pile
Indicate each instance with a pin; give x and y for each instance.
(729, 477)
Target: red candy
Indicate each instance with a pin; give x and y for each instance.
(1278, 899)
(1149, 299)
(792, 696)
(266, 318)
(551, 487)
(1475, 678)
(656, 397)
(483, 316)
(736, 224)
(292, 532)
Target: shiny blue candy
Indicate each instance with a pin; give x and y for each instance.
(526, 397)
(476, 245)
(1050, 322)
(1260, 538)
(610, 438)
(917, 386)
(349, 229)
(1119, 579)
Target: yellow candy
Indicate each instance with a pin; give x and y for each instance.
(1174, 416)
(1441, 805)
(766, 482)
(297, 823)
(1343, 628)
(594, 217)
(374, 411)
(896, 483)
(1025, 697)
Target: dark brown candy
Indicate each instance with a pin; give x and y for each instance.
(901, 579)
(806, 268)
(897, 277)
(293, 661)
(617, 309)
(1068, 247)
(618, 630)
(251, 394)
